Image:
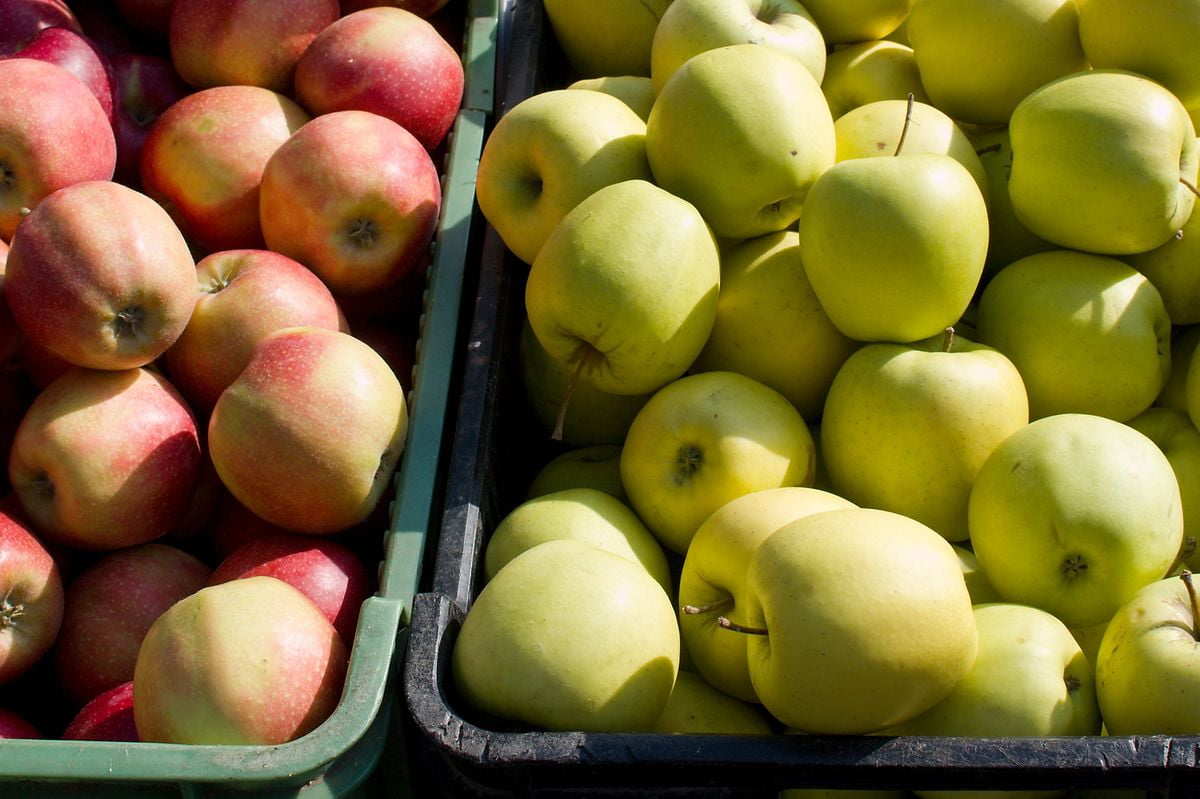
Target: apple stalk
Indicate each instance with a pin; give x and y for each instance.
(725, 623)
(717, 604)
(907, 120)
(1186, 576)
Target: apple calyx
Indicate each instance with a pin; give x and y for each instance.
(127, 323)
(1186, 576)
(8, 177)
(907, 119)
(586, 357)
(1073, 684)
(690, 460)
(717, 604)
(9, 610)
(1074, 566)
(724, 623)
(768, 12)
(363, 233)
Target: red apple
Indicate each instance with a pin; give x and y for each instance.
(20, 20)
(250, 661)
(31, 598)
(107, 717)
(226, 43)
(12, 338)
(14, 726)
(309, 435)
(328, 573)
(109, 608)
(354, 197)
(244, 295)
(146, 85)
(39, 364)
(193, 531)
(204, 158)
(99, 275)
(53, 133)
(77, 54)
(236, 525)
(388, 61)
(106, 459)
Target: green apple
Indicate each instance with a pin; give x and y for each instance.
(978, 585)
(597, 466)
(712, 583)
(689, 27)
(907, 426)
(1184, 341)
(1073, 514)
(979, 58)
(894, 247)
(704, 440)
(1175, 434)
(569, 637)
(848, 21)
(548, 153)
(859, 619)
(1116, 149)
(1088, 333)
(1089, 639)
(610, 38)
(769, 320)
(865, 72)
(742, 132)
(696, 707)
(636, 91)
(1008, 239)
(624, 291)
(1171, 268)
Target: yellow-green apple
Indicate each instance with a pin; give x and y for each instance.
(689, 27)
(979, 58)
(31, 607)
(705, 439)
(53, 133)
(697, 707)
(354, 197)
(741, 132)
(906, 427)
(329, 573)
(549, 153)
(109, 607)
(77, 54)
(580, 514)
(978, 585)
(144, 86)
(22, 19)
(1073, 514)
(99, 275)
(203, 159)
(309, 434)
(13, 725)
(769, 320)
(624, 291)
(1175, 434)
(869, 71)
(609, 39)
(1008, 239)
(843, 22)
(1089, 639)
(242, 296)
(1088, 333)
(1126, 188)
(105, 459)
(636, 91)
(569, 637)
(389, 61)
(597, 466)
(250, 661)
(859, 619)
(224, 45)
(106, 717)
(712, 583)
(1169, 268)
(894, 247)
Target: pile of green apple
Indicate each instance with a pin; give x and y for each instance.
(862, 331)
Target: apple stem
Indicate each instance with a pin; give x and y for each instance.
(716, 604)
(948, 339)
(1186, 576)
(561, 419)
(1185, 552)
(907, 119)
(740, 628)
(1190, 186)
(991, 148)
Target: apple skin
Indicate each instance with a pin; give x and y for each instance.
(106, 717)
(203, 160)
(100, 275)
(844, 22)
(636, 91)
(388, 61)
(221, 45)
(610, 39)
(327, 572)
(109, 608)
(145, 86)
(870, 71)
(1008, 239)
(243, 296)
(354, 197)
(697, 707)
(1168, 267)
(1184, 341)
(20, 20)
(309, 434)
(249, 661)
(15, 726)
(106, 459)
(47, 145)
(32, 604)
(12, 337)
(597, 466)
(1175, 434)
(235, 525)
(77, 54)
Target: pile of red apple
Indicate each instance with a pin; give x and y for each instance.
(215, 221)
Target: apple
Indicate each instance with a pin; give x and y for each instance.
(1175, 434)
(144, 86)
(388, 61)
(978, 585)
(309, 435)
(609, 39)
(696, 707)
(327, 572)
(1088, 333)
(203, 159)
(569, 637)
(106, 717)
(1184, 341)
(223, 45)
(53, 133)
(235, 525)
(40, 365)
(99, 275)
(12, 337)
(741, 132)
(636, 91)
(20, 20)
(354, 197)
(15, 726)
(551, 151)
(243, 296)
(597, 466)
(1168, 268)
(77, 54)
(106, 459)
(1127, 188)
(869, 71)
(1008, 239)
(31, 598)
(396, 346)
(249, 661)
(844, 22)
(1074, 513)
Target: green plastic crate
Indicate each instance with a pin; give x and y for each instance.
(339, 758)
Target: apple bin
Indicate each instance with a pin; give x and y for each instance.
(497, 447)
(343, 755)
